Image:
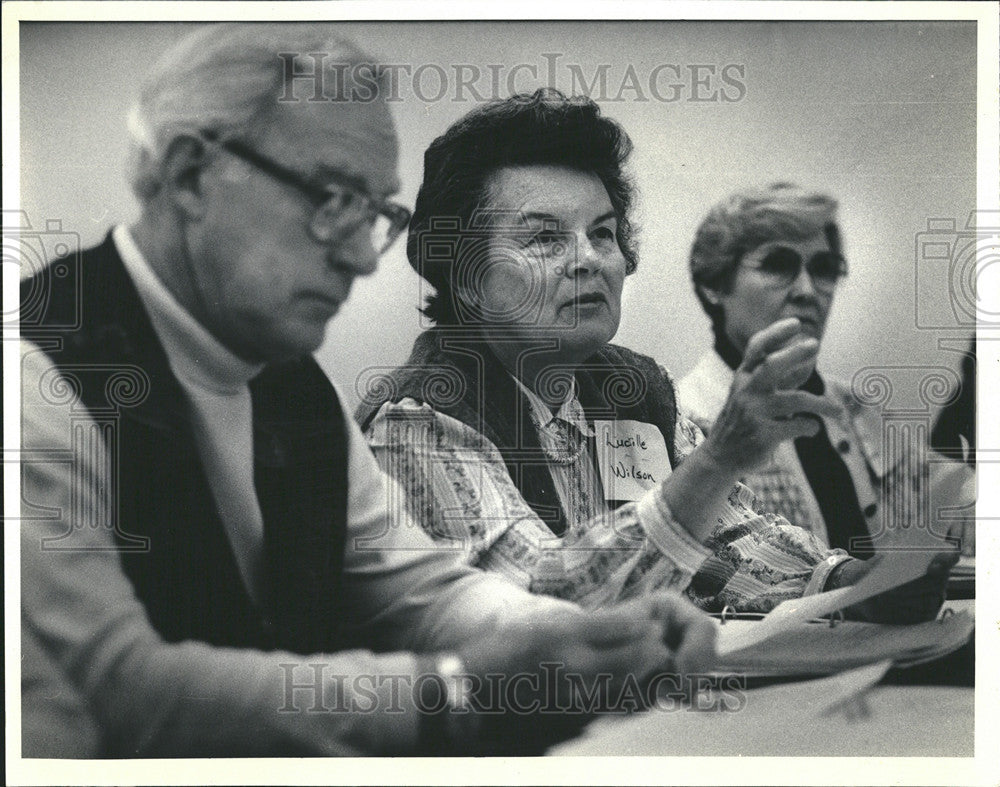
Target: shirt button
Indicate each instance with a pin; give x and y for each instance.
(844, 447)
(870, 509)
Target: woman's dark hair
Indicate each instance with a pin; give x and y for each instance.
(545, 128)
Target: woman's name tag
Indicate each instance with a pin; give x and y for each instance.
(632, 457)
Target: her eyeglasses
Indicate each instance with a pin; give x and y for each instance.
(782, 265)
(341, 205)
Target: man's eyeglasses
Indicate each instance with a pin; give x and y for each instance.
(341, 206)
(782, 265)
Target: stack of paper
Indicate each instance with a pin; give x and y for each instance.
(790, 640)
(817, 648)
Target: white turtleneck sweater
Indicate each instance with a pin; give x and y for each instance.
(216, 383)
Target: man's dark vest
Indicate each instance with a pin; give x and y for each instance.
(461, 377)
(86, 314)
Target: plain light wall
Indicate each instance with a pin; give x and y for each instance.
(879, 114)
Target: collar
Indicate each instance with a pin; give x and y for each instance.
(195, 356)
(703, 391)
(570, 410)
(726, 350)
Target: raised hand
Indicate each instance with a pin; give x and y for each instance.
(764, 407)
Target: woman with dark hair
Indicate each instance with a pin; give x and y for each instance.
(521, 436)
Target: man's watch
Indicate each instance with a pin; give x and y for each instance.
(448, 724)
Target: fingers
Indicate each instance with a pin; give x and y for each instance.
(787, 367)
(678, 615)
(792, 413)
(764, 342)
(697, 652)
(796, 375)
(689, 632)
(619, 625)
(791, 428)
(957, 528)
(788, 403)
(640, 635)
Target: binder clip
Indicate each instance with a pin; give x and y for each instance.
(946, 613)
(726, 610)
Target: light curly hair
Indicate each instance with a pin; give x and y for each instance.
(748, 219)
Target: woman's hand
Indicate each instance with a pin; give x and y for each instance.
(764, 407)
(758, 415)
(915, 602)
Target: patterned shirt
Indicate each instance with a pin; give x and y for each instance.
(455, 483)
(567, 440)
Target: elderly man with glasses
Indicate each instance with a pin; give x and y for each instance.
(771, 254)
(219, 570)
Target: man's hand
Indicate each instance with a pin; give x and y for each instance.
(687, 631)
(764, 406)
(604, 649)
(915, 602)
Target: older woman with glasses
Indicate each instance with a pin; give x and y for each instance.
(522, 437)
(765, 255)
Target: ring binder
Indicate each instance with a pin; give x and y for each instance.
(729, 613)
(832, 620)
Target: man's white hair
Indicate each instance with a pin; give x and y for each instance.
(224, 78)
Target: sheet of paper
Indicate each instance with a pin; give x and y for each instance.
(632, 458)
(847, 686)
(952, 503)
(889, 570)
(953, 485)
(787, 615)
